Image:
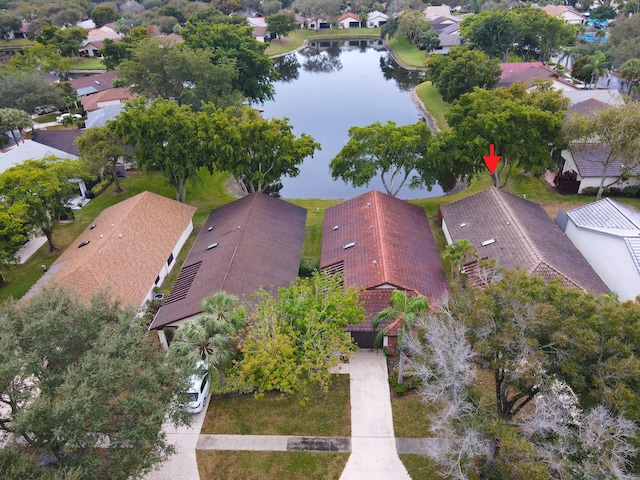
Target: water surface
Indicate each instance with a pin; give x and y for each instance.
(327, 88)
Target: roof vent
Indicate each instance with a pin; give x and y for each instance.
(335, 227)
(96, 82)
(462, 225)
(213, 245)
(488, 242)
(84, 244)
(368, 204)
(375, 262)
(209, 229)
(92, 226)
(349, 245)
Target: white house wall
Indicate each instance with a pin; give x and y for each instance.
(447, 235)
(167, 268)
(609, 257)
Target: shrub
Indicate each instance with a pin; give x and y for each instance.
(590, 191)
(308, 265)
(232, 385)
(102, 185)
(631, 192)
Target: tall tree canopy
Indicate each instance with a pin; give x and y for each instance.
(160, 68)
(529, 379)
(236, 43)
(525, 127)
(44, 187)
(264, 151)
(528, 32)
(461, 71)
(74, 376)
(165, 138)
(292, 341)
(623, 42)
(389, 150)
(12, 119)
(617, 129)
(281, 24)
(25, 90)
(101, 148)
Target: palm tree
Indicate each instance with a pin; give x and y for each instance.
(457, 253)
(409, 309)
(210, 338)
(596, 66)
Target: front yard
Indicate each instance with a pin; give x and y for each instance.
(324, 414)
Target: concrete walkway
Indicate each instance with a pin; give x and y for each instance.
(373, 444)
(31, 247)
(182, 465)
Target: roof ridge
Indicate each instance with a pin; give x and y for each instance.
(380, 231)
(514, 219)
(621, 211)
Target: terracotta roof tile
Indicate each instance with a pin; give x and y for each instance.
(259, 244)
(521, 235)
(103, 98)
(394, 247)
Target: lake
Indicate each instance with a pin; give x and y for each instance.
(330, 86)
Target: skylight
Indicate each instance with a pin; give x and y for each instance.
(213, 245)
(349, 245)
(488, 242)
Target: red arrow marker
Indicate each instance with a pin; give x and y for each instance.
(491, 160)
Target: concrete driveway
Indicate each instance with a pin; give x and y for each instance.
(182, 465)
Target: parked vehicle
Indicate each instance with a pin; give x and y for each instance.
(44, 109)
(197, 392)
(60, 118)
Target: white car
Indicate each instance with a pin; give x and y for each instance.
(60, 118)
(197, 392)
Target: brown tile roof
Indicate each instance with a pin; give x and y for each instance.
(509, 69)
(344, 16)
(373, 301)
(64, 140)
(106, 97)
(394, 247)
(529, 75)
(129, 246)
(259, 243)
(104, 81)
(523, 236)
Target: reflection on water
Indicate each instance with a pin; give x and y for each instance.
(328, 87)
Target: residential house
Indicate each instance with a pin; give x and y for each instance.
(589, 161)
(318, 23)
(610, 97)
(93, 83)
(448, 29)
(518, 234)
(63, 140)
(436, 11)
(301, 20)
(128, 250)
(531, 72)
(34, 150)
(253, 242)
(95, 40)
(376, 19)
(349, 20)
(104, 98)
(568, 14)
(607, 233)
(379, 244)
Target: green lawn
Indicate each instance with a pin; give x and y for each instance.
(433, 102)
(408, 53)
(409, 416)
(420, 468)
(324, 414)
(312, 246)
(271, 465)
(85, 63)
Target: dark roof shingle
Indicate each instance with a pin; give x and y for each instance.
(523, 236)
(247, 244)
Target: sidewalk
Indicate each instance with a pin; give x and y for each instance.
(373, 446)
(183, 464)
